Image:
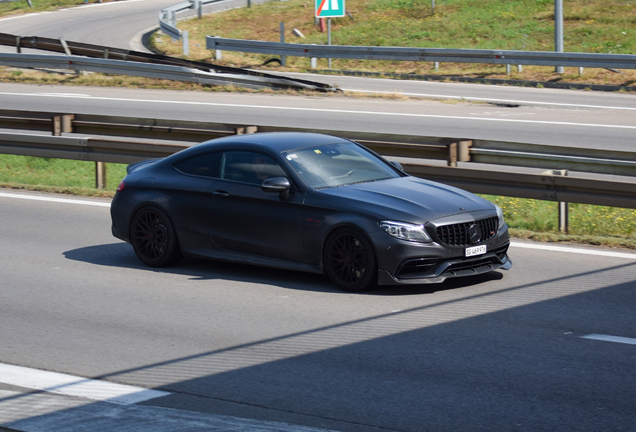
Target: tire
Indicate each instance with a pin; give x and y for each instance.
(349, 260)
(153, 238)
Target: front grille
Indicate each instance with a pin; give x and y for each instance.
(457, 234)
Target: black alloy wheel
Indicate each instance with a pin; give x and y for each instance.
(153, 238)
(350, 261)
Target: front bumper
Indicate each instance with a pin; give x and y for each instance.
(401, 262)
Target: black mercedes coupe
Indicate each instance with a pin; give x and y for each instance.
(309, 202)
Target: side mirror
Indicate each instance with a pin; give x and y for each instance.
(276, 185)
(396, 165)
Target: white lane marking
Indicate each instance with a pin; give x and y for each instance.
(335, 111)
(574, 250)
(608, 338)
(75, 95)
(506, 101)
(52, 199)
(70, 385)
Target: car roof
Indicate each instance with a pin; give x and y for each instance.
(278, 141)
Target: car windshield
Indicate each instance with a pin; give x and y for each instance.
(336, 165)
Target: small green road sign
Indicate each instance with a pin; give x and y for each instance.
(330, 8)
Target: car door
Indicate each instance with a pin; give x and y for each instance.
(243, 218)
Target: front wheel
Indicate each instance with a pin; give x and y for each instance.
(153, 238)
(349, 260)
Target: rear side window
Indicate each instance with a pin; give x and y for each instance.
(250, 167)
(207, 165)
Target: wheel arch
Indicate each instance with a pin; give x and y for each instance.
(358, 223)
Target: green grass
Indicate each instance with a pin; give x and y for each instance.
(597, 225)
(59, 175)
(531, 219)
(593, 26)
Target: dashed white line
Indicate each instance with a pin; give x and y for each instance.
(609, 338)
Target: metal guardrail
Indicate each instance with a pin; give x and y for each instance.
(121, 140)
(533, 186)
(120, 67)
(538, 58)
(168, 16)
(139, 62)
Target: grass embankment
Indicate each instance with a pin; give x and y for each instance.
(57, 175)
(532, 219)
(590, 26)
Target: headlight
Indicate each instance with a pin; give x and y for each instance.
(499, 216)
(404, 231)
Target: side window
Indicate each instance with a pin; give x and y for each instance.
(249, 167)
(207, 165)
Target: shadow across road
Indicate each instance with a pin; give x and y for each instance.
(122, 255)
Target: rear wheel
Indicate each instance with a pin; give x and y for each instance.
(349, 260)
(153, 238)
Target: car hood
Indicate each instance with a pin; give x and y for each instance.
(405, 199)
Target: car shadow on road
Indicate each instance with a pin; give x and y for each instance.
(122, 255)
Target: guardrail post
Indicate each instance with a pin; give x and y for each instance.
(313, 63)
(100, 175)
(564, 216)
(62, 124)
(563, 207)
(185, 38)
(283, 59)
(244, 130)
(67, 123)
(458, 152)
(18, 49)
(463, 153)
(198, 5)
(452, 154)
(56, 125)
(218, 54)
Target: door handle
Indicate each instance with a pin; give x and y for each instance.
(220, 193)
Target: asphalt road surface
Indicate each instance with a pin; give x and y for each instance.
(610, 128)
(507, 351)
(549, 345)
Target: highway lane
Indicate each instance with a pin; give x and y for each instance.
(612, 129)
(493, 354)
(501, 352)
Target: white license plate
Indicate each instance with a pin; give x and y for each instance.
(476, 250)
